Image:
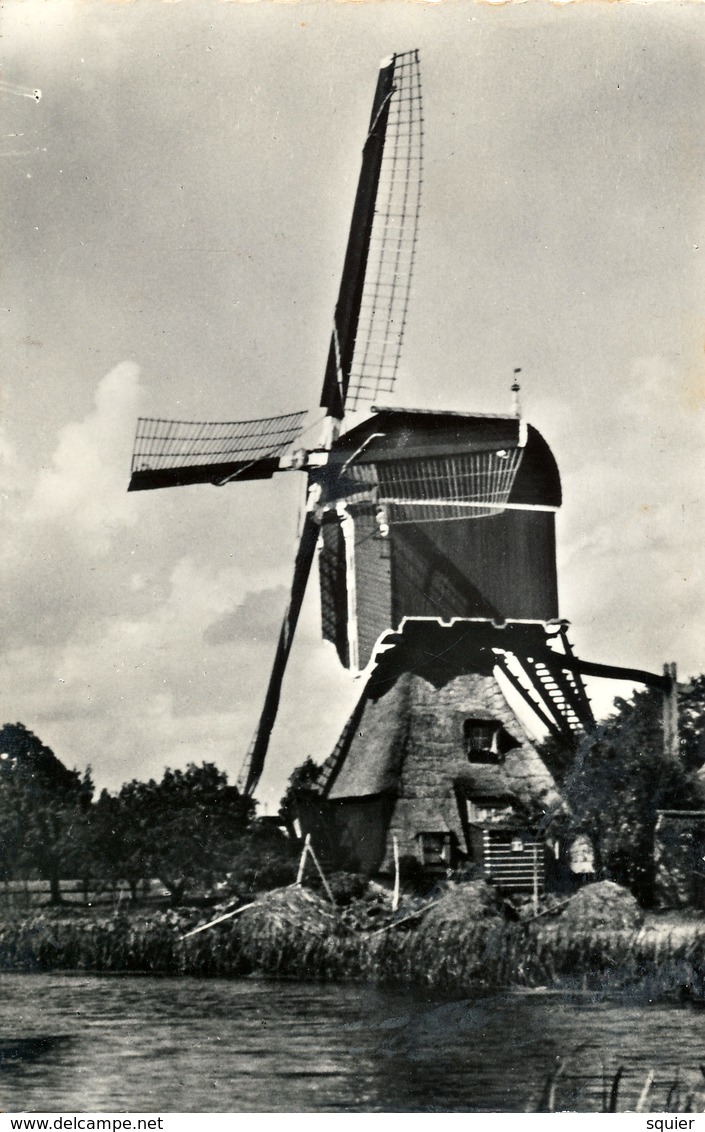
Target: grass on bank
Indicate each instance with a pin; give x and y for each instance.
(294, 933)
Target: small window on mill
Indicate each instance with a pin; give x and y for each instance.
(481, 737)
(487, 813)
(434, 848)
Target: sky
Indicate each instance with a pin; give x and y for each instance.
(175, 206)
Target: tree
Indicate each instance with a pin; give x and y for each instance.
(43, 809)
(12, 831)
(559, 756)
(691, 722)
(117, 840)
(184, 830)
(300, 788)
(619, 780)
(23, 754)
(266, 858)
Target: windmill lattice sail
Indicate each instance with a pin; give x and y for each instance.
(385, 298)
(172, 453)
(370, 314)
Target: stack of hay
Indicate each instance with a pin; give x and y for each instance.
(603, 906)
(292, 911)
(469, 905)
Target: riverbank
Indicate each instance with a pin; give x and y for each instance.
(459, 943)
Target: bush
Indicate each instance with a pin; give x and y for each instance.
(265, 859)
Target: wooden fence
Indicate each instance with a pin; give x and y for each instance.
(34, 893)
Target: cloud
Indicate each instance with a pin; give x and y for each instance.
(126, 642)
(84, 488)
(257, 618)
(11, 475)
(128, 684)
(631, 529)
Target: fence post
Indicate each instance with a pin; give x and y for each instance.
(395, 895)
(302, 862)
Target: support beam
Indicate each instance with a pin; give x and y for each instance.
(609, 671)
(528, 664)
(671, 743)
(526, 694)
(570, 687)
(579, 686)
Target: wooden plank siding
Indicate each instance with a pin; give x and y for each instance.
(331, 572)
(373, 586)
(511, 869)
(502, 566)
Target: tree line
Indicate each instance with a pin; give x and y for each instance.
(188, 830)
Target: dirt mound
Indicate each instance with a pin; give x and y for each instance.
(465, 904)
(603, 906)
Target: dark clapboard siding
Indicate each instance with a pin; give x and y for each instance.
(502, 566)
(331, 570)
(511, 869)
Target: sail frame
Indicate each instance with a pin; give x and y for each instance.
(170, 453)
(370, 314)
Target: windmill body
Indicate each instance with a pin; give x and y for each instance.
(438, 515)
(437, 561)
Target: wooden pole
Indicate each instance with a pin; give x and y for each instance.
(219, 919)
(235, 912)
(302, 862)
(671, 744)
(395, 895)
(405, 919)
(321, 874)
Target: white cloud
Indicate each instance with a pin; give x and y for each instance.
(631, 529)
(85, 486)
(9, 461)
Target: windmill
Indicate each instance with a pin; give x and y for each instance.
(435, 529)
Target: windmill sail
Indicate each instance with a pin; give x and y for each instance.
(173, 453)
(254, 760)
(370, 314)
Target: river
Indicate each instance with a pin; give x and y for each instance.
(86, 1043)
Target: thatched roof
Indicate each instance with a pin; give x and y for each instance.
(414, 716)
(486, 783)
(370, 760)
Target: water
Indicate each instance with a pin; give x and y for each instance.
(112, 1044)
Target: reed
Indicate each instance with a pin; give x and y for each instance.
(297, 935)
(671, 1096)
